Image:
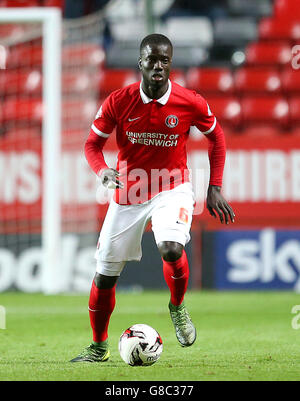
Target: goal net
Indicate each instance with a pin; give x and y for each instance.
(49, 89)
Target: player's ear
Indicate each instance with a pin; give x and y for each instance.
(140, 63)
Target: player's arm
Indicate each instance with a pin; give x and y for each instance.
(101, 129)
(207, 123)
(215, 201)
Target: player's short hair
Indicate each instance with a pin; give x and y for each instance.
(155, 39)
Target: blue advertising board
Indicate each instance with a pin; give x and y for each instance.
(257, 259)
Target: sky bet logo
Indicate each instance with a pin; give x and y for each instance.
(266, 259)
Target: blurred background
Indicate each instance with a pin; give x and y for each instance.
(242, 56)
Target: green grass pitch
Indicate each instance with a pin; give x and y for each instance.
(241, 336)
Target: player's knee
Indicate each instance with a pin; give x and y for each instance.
(170, 251)
(104, 282)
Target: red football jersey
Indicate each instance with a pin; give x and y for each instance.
(151, 137)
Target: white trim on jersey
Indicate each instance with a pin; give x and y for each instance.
(163, 100)
(211, 128)
(98, 132)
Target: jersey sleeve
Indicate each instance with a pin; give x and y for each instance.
(101, 128)
(204, 119)
(207, 123)
(105, 120)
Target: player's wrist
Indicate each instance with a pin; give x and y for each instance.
(101, 171)
(214, 188)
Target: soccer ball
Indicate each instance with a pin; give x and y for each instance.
(140, 345)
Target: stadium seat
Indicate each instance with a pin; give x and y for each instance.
(29, 55)
(189, 56)
(227, 109)
(233, 30)
(20, 82)
(287, 9)
(255, 8)
(122, 55)
(73, 139)
(78, 113)
(268, 53)
(11, 31)
(273, 110)
(21, 136)
(128, 30)
(279, 29)
(17, 110)
(111, 80)
(215, 81)
(83, 54)
(291, 81)
(20, 3)
(257, 80)
(294, 104)
(188, 31)
(261, 131)
(54, 3)
(295, 131)
(79, 82)
(178, 76)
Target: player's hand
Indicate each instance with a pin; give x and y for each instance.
(110, 179)
(215, 203)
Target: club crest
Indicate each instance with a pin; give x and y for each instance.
(172, 121)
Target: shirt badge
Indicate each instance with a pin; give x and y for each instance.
(172, 121)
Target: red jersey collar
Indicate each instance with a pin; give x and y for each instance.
(163, 100)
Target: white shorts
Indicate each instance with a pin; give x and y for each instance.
(170, 213)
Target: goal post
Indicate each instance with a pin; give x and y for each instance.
(51, 21)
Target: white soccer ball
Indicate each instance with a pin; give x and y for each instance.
(140, 345)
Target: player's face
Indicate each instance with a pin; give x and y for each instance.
(155, 64)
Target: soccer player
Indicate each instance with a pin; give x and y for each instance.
(152, 120)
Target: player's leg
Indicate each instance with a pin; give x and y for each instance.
(119, 241)
(175, 269)
(102, 301)
(171, 221)
(176, 274)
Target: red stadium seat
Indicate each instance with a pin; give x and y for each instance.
(79, 82)
(178, 76)
(29, 55)
(17, 110)
(261, 131)
(265, 109)
(210, 80)
(111, 80)
(291, 80)
(12, 31)
(287, 9)
(20, 3)
(84, 54)
(54, 3)
(226, 109)
(268, 53)
(79, 113)
(294, 110)
(257, 80)
(20, 82)
(87, 55)
(279, 29)
(21, 137)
